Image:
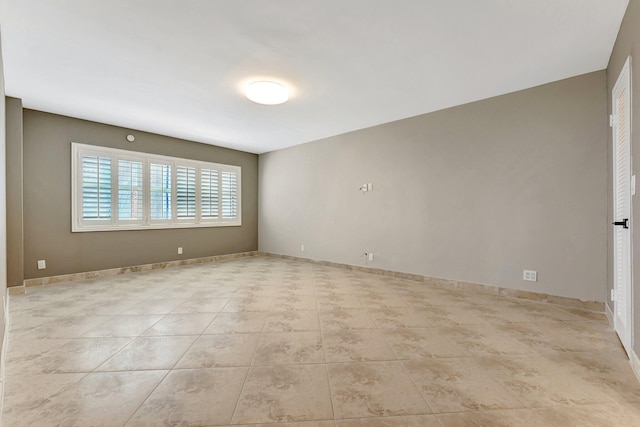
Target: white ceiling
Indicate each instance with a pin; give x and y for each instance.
(178, 67)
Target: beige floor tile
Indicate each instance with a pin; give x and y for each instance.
(154, 306)
(124, 326)
(148, 353)
(597, 415)
(389, 348)
(182, 324)
(212, 290)
(284, 393)
(237, 323)
(24, 394)
(586, 314)
(537, 381)
(402, 421)
(176, 292)
(98, 399)
(607, 370)
(356, 346)
(292, 321)
(373, 389)
(294, 302)
(210, 351)
(595, 333)
(194, 397)
(107, 308)
(338, 301)
(504, 418)
(393, 317)
(289, 348)
(23, 305)
(239, 304)
(408, 343)
(65, 327)
(448, 315)
(21, 325)
(201, 305)
(538, 311)
(441, 297)
(293, 424)
(23, 351)
(381, 300)
(520, 312)
(456, 385)
(73, 355)
(559, 336)
(351, 318)
(327, 289)
(483, 340)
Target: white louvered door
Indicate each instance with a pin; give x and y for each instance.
(622, 206)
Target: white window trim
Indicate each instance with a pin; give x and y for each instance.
(80, 225)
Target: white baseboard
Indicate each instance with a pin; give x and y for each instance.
(635, 364)
(609, 314)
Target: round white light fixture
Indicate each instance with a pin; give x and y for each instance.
(131, 138)
(267, 93)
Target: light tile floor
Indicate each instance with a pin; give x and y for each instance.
(264, 341)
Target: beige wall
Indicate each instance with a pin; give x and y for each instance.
(627, 43)
(474, 193)
(15, 229)
(47, 201)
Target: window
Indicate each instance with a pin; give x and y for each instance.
(125, 190)
(209, 188)
(186, 192)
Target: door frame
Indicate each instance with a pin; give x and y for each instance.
(625, 334)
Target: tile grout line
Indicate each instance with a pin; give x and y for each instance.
(148, 396)
(326, 367)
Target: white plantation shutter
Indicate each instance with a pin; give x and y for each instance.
(130, 190)
(160, 193)
(229, 185)
(186, 192)
(125, 190)
(209, 197)
(96, 188)
(622, 208)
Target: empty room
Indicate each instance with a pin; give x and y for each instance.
(416, 213)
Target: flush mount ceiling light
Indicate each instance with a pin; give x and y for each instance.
(267, 93)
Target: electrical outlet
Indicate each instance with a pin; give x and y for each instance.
(369, 187)
(530, 275)
(302, 248)
(42, 264)
(180, 251)
(370, 256)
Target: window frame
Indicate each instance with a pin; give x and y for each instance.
(79, 224)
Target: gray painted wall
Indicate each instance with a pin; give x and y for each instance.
(475, 193)
(15, 228)
(47, 201)
(627, 43)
